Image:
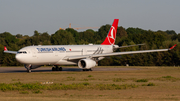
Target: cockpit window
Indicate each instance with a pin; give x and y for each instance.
(20, 52)
(24, 52)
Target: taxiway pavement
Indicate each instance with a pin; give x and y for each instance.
(48, 69)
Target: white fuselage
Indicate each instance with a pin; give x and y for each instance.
(56, 54)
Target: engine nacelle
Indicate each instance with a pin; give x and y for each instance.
(86, 63)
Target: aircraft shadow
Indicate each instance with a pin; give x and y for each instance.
(21, 70)
(65, 69)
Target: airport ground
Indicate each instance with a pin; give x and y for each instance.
(112, 83)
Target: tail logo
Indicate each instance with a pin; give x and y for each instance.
(5, 49)
(111, 36)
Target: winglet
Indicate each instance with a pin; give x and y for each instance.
(5, 49)
(172, 47)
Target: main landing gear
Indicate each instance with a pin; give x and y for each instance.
(87, 69)
(56, 68)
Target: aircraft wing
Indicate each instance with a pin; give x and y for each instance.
(115, 53)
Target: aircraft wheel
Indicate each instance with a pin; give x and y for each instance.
(28, 70)
(57, 68)
(60, 69)
(53, 69)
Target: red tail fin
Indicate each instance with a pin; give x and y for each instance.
(5, 49)
(110, 39)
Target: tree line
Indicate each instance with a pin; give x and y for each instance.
(130, 36)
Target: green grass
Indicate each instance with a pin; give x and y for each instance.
(152, 83)
(142, 80)
(118, 80)
(70, 79)
(167, 77)
(36, 87)
(149, 84)
(37, 91)
(24, 92)
(90, 76)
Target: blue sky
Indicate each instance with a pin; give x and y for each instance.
(26, 16)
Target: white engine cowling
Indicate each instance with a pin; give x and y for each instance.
(86, 63)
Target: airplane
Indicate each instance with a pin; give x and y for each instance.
(85, 56)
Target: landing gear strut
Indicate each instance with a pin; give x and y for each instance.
(28, 67)
(56, 68)
(29, 70)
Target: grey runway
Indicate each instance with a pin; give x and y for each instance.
(71, 69)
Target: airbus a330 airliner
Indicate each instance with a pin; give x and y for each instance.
(85, 56)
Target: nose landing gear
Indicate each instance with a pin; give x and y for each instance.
(29, 70)
(28, 67)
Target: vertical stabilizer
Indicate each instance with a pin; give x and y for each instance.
(111, 37)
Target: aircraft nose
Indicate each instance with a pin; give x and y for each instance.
(19, 58)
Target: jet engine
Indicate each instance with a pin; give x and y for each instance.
(86, 63)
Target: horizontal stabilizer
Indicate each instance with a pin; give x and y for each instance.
(128, 46)
(6, 51)
(173, 47)
(12, 52)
